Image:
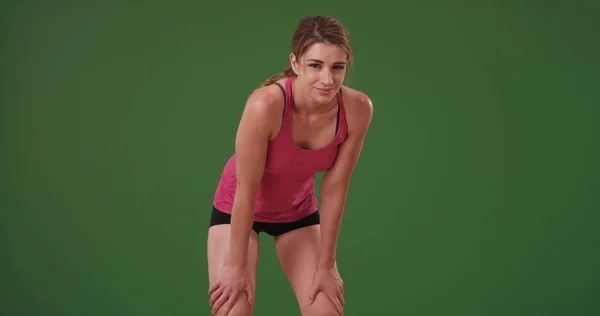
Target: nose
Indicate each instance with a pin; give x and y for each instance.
(326, 77)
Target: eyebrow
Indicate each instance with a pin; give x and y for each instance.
(320, 61)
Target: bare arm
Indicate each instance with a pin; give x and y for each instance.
(252, 138)
(336, 180)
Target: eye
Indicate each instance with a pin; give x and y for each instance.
(338, 67)
(315, 65)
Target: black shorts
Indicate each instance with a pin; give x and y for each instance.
(274, 229)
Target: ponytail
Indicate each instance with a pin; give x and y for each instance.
(288, 72)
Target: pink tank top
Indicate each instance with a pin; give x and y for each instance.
(287, 190)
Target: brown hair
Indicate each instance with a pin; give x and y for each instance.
(312, 30)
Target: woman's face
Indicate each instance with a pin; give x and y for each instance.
(321, 70)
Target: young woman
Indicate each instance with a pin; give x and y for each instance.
(298, 123)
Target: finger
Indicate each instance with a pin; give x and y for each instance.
(312, 293)
(250, 296)
(336, 303)
(219, 303)
(339, 307)
(215, 295)
(213, 287)
(229, 304)
(340, 297)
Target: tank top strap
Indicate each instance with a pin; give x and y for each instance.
(287, 111)
(288, 93)
(342, 123)
(340, 99)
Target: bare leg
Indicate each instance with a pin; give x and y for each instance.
(298, 253)
(217, 251)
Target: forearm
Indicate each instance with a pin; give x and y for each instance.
(332, 209)
(241, 225)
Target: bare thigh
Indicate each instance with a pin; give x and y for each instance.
(218, 252)
(298, 253)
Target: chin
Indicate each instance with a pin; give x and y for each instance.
(323, 99)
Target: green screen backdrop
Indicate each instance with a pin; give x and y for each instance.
(476, 193)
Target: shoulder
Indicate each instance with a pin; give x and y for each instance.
(265, 100)
(265, 106)
(359, 110)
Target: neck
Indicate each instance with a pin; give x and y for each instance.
(304, 105)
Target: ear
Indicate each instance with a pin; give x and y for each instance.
(294, 63)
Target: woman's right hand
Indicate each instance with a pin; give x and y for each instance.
(233, 282)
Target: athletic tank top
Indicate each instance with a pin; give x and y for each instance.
(287, 189)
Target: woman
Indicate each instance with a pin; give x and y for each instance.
(298, 123)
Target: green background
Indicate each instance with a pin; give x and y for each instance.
(476, 193)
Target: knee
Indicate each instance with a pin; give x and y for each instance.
(237, 312)
(240, 308)
(322, 306)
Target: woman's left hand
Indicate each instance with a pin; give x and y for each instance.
(328, 281)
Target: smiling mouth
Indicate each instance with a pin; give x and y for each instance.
(324, 91)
